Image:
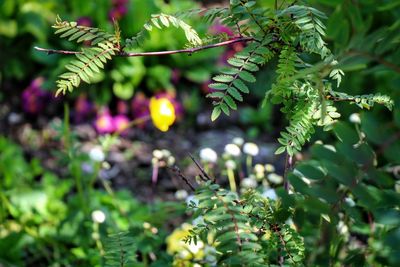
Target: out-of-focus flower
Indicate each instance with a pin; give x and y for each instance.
(238, 141)
(176, 76)
(230, 164)
(84, 21)
(232, 150)
(118, 10)
(97, 154)
(270, 193)
(122, 107)
(181, 194)
(172, 98)
(33, 97)
(251, 149)
(104, 122)
(162, 113)
(208, 155)
(98, 216)
(219, 28)
(249, 182)
(269, 167)
(140, 107)
(355, 118)
(83, 107)
(275, 178)
(175, 244)
(121, 123)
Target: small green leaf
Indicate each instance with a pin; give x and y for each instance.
(218, 86)
(215, 113)
(223, 78)
(247, 76)
(241, 86)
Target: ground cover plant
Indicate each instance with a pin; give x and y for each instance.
(325, 193)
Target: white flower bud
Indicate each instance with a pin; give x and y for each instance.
(158, 154)
(275, 178)
(208, 155)
(181, 194)
(269, 167)
(98, 216)
(232, 150)
(238, 141)
(97, 154)
(230, 164)
(355, 118)
(251, 149)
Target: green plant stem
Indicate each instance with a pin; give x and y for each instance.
(231, 178)
(249, 164)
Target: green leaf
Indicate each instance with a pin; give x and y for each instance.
(247, 76)
(224, 108)
(231, 103)
(235, 93)
(241, 86)
(218, 86)
(223, 78)
(215, 113)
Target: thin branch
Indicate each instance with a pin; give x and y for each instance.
(200, 168)
(156, 53)
(178, 172)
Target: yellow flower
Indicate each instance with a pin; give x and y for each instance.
(162, 113)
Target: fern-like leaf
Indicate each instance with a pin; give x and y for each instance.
(230, 85)
(90, 61)
(120, 250)
(163, 21)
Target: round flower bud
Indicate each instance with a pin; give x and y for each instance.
(355, 118)
(208, 155)
(251, 149)
(98, 216)
(97, 154)
(233, 150)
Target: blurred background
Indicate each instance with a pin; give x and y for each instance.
(48, 193)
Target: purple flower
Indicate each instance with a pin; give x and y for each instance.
(83, 108)
(176, 76)
(140, 106)
(122, 107)
(84, 21)
(33, 97)
(104, 122)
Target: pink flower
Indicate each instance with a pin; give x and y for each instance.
(33, 97)
(104, 122)
(121, 123)
(218, 28)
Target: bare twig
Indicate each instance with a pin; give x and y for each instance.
(200, 168)
(178, 172)
(376, 58)
(156, 53)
